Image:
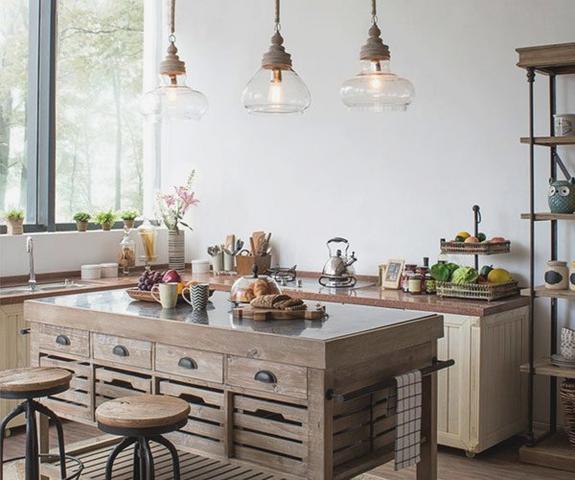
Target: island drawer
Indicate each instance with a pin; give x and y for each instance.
(190, 363)
(270, 433)
(115, 383)
(64, 339)
(264, 376)
(76, 402)
(124, 351)
(205, 428)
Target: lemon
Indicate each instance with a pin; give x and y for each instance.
(463, 235)
(499, 275)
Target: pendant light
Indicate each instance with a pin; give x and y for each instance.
(375, 88)
(173, 98)
(276, 87)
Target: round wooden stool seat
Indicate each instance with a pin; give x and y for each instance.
(35, 382)
(142, 415)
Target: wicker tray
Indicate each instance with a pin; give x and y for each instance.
(483, 248)
(145, 296)
(567, 394)
(478, 291)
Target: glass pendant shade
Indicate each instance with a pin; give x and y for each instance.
(276, 90)
(173, 99)
(376, 89)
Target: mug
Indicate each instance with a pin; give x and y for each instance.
(168, 294)
(199, 294)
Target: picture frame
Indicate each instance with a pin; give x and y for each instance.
(391, 274)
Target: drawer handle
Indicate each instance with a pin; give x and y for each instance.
(63, 340)
(265, 376)
(187, 362)
(25, 331)
(121, 351)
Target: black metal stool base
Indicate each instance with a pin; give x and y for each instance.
(143, 460)
(32, 458)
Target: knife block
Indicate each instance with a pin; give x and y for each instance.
(245, 264)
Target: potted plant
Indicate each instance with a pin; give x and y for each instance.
(105, 219)
(14, 221)
(82, 219)
(172, 208)
(129, 217)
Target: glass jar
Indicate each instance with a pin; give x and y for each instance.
(407, 271)
(246, 288)
(127, 256)
(148, 235)
(414, 283)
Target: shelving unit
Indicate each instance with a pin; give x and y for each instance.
(553, 450)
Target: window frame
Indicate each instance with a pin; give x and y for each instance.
(41, 122)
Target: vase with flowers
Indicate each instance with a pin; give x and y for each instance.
(172, 209)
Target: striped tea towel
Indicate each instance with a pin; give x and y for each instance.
(408, 420)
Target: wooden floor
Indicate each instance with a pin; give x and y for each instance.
(499, 463)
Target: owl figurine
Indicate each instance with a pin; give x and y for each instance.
(562, 196)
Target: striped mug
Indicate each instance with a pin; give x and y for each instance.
(198, 294)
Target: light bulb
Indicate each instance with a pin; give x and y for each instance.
(275, 94)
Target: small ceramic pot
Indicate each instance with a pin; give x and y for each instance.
(106, 226)
(572, 277)
(218, 262)
(568, 343)
(561, 196)
(14, 227)
(556, 275)
(82, 226)
(129, 224)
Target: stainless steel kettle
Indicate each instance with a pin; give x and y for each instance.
(338, 264)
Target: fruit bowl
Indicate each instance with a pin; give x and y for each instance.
(478, 291)
(481, 248)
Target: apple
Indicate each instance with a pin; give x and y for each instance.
(497, 240)
(171, 276)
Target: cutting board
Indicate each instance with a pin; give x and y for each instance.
(262, 314)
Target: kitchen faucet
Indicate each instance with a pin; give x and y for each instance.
(30, 250)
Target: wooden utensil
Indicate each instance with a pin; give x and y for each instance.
(262, 314)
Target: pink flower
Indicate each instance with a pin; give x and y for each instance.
(169, 200)
(186, 197)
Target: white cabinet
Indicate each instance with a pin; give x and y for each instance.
(14, 350)
(481, 399)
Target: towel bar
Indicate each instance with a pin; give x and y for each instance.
(362, 392)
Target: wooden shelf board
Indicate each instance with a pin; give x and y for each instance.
(541, 291)
(551, 59)
(547, 217)
(545, 367)
(554, 451)
(551, 141)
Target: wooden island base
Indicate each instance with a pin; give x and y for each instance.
(259, 392)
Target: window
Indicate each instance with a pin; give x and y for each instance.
(13, 100)
(99, 72)
(71, 133)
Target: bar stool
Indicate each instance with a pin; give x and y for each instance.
(27, 384)
(140, 420)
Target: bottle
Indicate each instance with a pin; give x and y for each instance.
(127, 256)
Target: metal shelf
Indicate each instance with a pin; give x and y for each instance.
(550, 141)
(549, 217)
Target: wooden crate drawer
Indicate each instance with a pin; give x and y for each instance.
(76, 402)
(270, 433)
(267, 376)
(205, 428)
(125, 351)
(63, 339)
(114, 383)
(190, 363)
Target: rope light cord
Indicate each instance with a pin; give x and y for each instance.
(172, 19)
(374, 11)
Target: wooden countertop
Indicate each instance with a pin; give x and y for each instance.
(311, 290)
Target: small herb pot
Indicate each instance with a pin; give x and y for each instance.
(15, 226)
(129, 224)
(82, 226)
(556, 275)
(107, 226)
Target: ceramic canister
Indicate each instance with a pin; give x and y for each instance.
(556, 275)
(572, 277)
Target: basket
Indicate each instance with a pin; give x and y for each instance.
(483, 248)
(478, 291)
(567, 394)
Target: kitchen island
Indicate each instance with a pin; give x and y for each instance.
(304, 416)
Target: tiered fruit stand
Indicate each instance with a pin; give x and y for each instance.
(552, 449)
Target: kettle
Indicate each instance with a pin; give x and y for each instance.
(338, 264)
